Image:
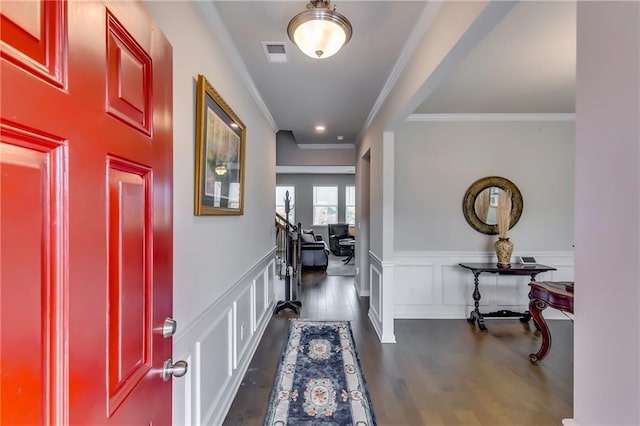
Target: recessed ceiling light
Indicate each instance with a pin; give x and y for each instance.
(320, 128)
(340, 138)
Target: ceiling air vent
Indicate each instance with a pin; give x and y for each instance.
(275, 52)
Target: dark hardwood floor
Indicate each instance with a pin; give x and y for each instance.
(441, 372)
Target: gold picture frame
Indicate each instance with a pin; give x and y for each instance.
(220, 152)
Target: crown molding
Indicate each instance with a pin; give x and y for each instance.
(326, 146)
(492, 117)
(419, 29)
(218, 27)
(333, 170)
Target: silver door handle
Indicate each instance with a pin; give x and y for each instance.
(169, 327)
(178, 369)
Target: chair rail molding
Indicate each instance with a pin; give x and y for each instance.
(220, 343)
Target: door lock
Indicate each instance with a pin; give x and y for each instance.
(169, 327)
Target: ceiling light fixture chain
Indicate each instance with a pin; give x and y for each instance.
(319, 31)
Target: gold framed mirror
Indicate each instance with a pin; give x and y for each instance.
(480, 203)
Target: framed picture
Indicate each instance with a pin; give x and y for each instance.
(220, 151)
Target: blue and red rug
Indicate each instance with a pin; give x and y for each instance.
(319, 378)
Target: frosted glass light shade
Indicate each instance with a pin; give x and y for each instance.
(319, 32)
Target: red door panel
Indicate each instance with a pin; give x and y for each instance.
(33, 37)
(86, 213)
(29, 193)
(130, 284)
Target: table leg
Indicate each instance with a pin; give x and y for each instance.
(536, 306)
(475, 314)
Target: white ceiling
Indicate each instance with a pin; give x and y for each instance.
(525, 65)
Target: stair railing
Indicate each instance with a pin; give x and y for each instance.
(288, 253)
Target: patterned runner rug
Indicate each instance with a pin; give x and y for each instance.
(319, 380)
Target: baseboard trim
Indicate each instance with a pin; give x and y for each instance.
(373, 318)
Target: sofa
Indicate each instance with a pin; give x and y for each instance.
(314, 253)
(338, 232)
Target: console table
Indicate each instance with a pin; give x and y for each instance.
(558, 295)
(492, 268)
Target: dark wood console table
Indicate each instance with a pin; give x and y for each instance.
(492, 268)
(558, 295)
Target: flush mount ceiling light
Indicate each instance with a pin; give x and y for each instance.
(319, 31)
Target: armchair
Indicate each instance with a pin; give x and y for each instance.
(337, 232)
(313, 250)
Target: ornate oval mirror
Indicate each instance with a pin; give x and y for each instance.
(481, 200)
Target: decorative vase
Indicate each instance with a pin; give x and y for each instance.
(504, 248)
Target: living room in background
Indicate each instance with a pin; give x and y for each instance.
(281, 192)
(350, 204)
(325, 204)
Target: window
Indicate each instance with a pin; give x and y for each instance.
(325, 205)
(350, 204)
(281, 192)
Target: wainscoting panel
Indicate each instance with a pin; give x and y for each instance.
(433, 285)
(456, 290)
(271, 282)
(415, 285)
(243, 325)
(214, 354)
(375, 282)
(220, 344)
(261, 301)
(182, 392)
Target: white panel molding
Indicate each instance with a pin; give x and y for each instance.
(376, 307)
(375, 266)
(232, 355)
(227, 297)
(570, 422)
(242, 340)
(182, 388)
(493, 117)
(261, 303)
(213, 359)
(440, 288)
(387, 302)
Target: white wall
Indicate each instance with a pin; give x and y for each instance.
(607, 215)
(444, 34)
(223, 271)
(436, 162)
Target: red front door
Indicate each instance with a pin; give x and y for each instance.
(85, 213)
